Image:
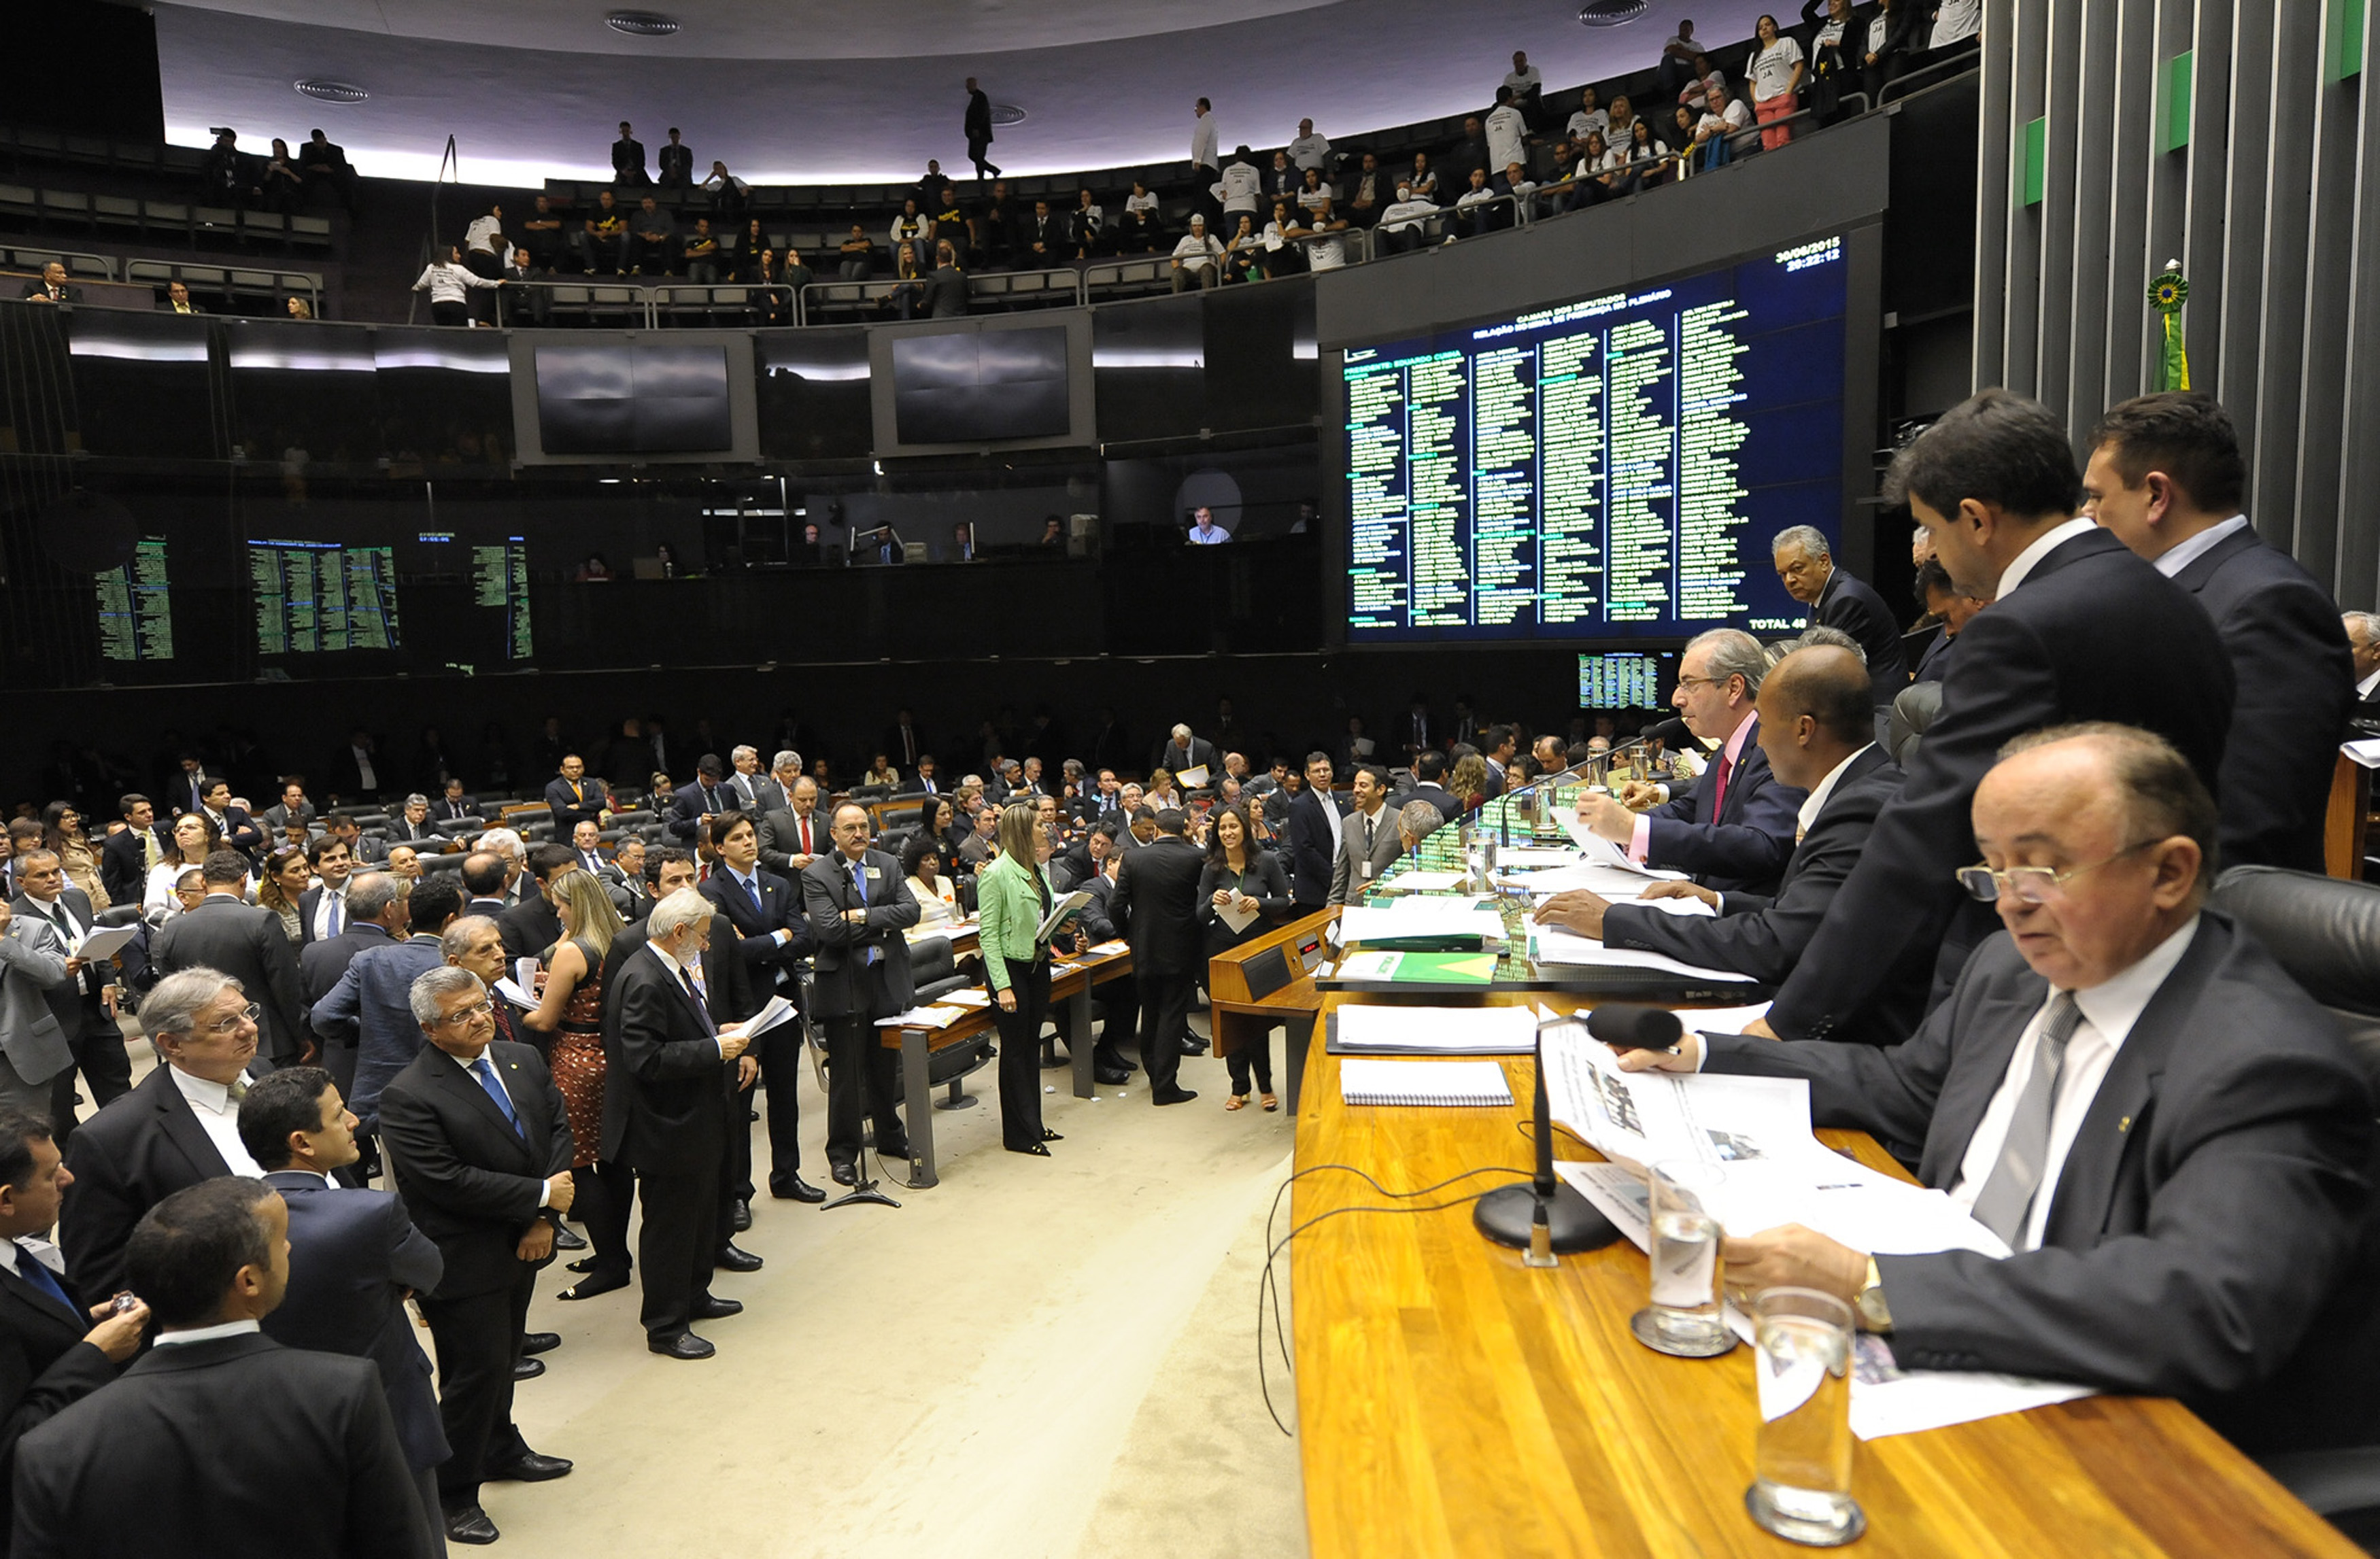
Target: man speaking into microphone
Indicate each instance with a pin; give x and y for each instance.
(1734, 829)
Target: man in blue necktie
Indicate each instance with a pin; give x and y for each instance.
(857, 910)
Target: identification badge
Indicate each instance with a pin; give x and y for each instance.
(1367, 871)
(874, 872)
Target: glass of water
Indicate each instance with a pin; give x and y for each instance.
(1801, 1471)
(1687, 1317)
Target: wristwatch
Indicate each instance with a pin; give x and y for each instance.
(1873, 1313)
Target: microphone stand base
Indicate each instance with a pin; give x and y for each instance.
(1506, 1213)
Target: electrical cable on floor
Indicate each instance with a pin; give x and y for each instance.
(1266, 1288)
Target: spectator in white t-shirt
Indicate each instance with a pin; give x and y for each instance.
(1321, 227)
(1283, 255)
(1423, 177)
(1775, 75)
(1475, 211)
(1590, 116)
(1528, 84)
(1706, 76)
(1238, 188)
(1141, 219)
(484, 243)
(1316, 190)
(1310, 151)
(1723, 115)
(1956, 23)
(1624, 120)
(1401, 223)
(1677, 65)
(1507, 132)
(1197, 258)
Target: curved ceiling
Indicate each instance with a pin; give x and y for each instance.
(838, 91)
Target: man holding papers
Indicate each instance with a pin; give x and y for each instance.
(1735, 828)
(1816, 728)
(2174, 1140)
(857, 910)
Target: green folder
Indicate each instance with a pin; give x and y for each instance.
(1419, 968)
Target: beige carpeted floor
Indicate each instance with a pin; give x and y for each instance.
(1045, 1359)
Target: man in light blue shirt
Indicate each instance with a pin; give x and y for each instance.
(1204, 532)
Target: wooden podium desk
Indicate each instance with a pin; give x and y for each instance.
(1452, 1402)
(1238, 1016)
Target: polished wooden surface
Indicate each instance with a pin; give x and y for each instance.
(1230, 998)
(1453, 1402)
(2347, 822)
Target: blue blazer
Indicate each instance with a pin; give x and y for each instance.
(1746, 845)
(352, 1256)
(372, 1009)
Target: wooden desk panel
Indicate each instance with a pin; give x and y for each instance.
(1453, 1402)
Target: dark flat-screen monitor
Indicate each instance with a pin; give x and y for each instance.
(633, 398)
(1609, 468)
(978, 386)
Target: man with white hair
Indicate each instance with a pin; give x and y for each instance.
(2364, 641)
(1734, 830)
(1806, 564)
(1183, 751)
(513, 851)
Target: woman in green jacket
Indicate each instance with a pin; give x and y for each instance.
(1012, 897)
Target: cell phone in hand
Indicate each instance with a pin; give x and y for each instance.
(124, 1303)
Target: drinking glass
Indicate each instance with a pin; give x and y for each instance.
(1688, 1315)
(1801, 1468)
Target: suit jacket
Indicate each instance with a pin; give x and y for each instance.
(1312, 825)
(310, 905)
(372, 1009)
(240, 831)
(322, 965)
(76, 1002)
(464, 811)
(769, 962)
(278, 816)
(2092, 634)
(1201, 754)
(124, 863)
(904, 753)
(1745, 845)
(570, 810)
(1762, 937)
(1449, 806)
(2295, 684)
(471, 1182)
(44, 1363)
(135, 1153)
(32, 965)
(1155, 904)
(665, 1084)
(2211, 1233)
(68, 292)
(840, 984)
(780, 838)
(1264, 881)
(249, 944)
(676, 162)
(1855, 607)
(353, 1254)
(688, 805)
(1936, 661)
(1347, 875)
(262, 1448)
(530, 927)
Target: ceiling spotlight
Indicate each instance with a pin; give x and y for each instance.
(1005, 114)
(641, 24)
(330, 92)
(1609, 13)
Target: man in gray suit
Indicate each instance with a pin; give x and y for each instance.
(2176, 1142)
(225, 932)
(1369, 840)
(85, 1000)
(33, 1049)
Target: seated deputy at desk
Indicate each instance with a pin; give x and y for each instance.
(1735, 828)
(2174, 1141)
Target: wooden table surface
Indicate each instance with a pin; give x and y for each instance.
(1453, 1402)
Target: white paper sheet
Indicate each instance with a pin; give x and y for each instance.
(935, 1017)
(1411, 917)
(1646, 1117)
(2366, 753)
(103, 942)
(514, 993)
(978, 998)
(1438, 1031)
(1238, 919)
(1424, 882)
(1557, 945)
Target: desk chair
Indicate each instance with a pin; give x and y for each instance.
(1914, 711)
(2326, 931)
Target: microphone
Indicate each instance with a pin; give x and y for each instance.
(1627, 1026)
(1543, 1216)
(1670, 733)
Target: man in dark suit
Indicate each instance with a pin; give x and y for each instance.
(1806, 565)
(368, 1014)
(1734, 829)
(978, 126)
(51, 286)
(54, 1349)
(1818, 730)
(2166, 476)
(2175, 1142)
(676, 160)
(234, 827)
(180, 1126)
(904, 743)
(1117, 999)
(480, 1147)
(664, 1115)
(856, 909)
(708, 794)
(1311, 821)
(2079, 629)
(772, 935)
(84, 1002)
(354, 1256)
(486, 878)
(246, 943)
(412, 823)
(1428, 771)
(1949, 605)
(1155, 903)
(322, 909)
(1181, 750)
(628, 161)
(264, 1449)
(126, 857)
(576, 797)
(794, 836)
(531, 926)
(293, 807)
(453, 806)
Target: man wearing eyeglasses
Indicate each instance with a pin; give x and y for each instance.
(2128, 1092)
(247, 943)
(179, 1126)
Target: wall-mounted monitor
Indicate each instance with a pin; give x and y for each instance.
(629, 398)
(1627, 679)
(1611, 466)
(951, 386)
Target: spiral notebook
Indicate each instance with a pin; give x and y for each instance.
(1423, 1082)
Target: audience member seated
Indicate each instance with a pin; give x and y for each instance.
(702, 254)
(657, 241)
(602, 239)
(857, 256)
(1087, 227)
(1197, 258)
(1401, 223)
(921, 872)
(1142, 224)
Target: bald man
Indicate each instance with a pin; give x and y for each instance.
(2173, 1140)
(1817, 728)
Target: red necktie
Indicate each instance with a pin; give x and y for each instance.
(1719, 791)
(806, 836)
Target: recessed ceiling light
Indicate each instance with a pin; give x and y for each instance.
(1609, 13)
(641, 24)
(1007, 113)
(330, 92)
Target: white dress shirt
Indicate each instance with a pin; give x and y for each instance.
(218, 1118)
(2368, 686)
(2181, 555)
(332, 898)
(2109, 1010)
(1821, 794)
(2024, 563)
(1203, 140)
(206, 1334)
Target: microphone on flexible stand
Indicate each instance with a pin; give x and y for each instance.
(1543, 1216)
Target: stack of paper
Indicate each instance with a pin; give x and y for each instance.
(936, 1017)
(1434, 1030)
(1557, 945)
(1456, 922)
